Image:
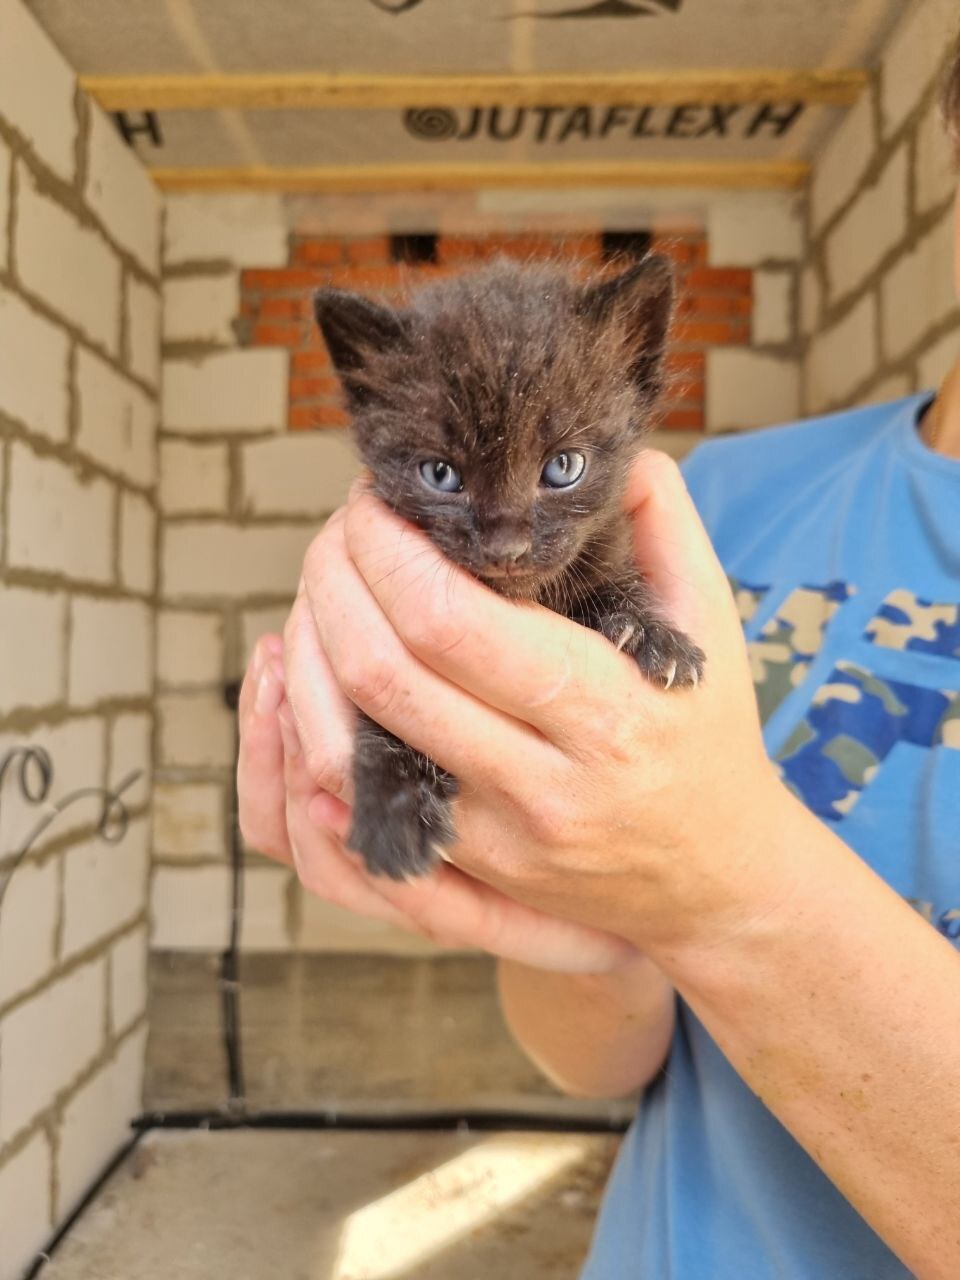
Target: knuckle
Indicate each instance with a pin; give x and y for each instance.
(554, 818)
(432, 627)
(371, 684)
(326, 771)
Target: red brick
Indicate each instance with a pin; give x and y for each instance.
(305, 388)
(317, 253)
(310, 361)
(715, 304)
(361, 278)
(373, 251)
(687, 360)
(329, 415)
(682, 419)
(711, 332)
(283, 279)
(732, 278)
(277, 335)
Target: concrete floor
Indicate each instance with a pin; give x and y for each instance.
(246, 1204)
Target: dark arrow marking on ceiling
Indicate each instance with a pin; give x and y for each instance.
(613, 9)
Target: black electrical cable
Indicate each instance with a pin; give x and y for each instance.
(230, 959)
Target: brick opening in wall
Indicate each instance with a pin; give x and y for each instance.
(714, 305)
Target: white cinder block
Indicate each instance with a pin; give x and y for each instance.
(36, 88)
(104, 886)
(196, 730)
(307, 473)
(48, 506)
(191, 908)
(264, 925)
(47, 1042)
(67, 265)
(33, 626)
(221, 560)
(194, 478)
(121, 194)
(227, 391)
(917, 291)
(33, 366)
(936, 362)
(258, 622)
(27, 925)
(188, 820)
(143, 330)
(6, 164)
(128, 979)
(892, 388)
(111, 650)
(748, 389)
(772, 306)
(913, 53)
(749, 229)
(26, 1215)
(201, 308)
(936, 178)
(137, 543)
(131, 750)
(841, 165)
(842, 357)
(189, 647)
(811, 301)
(96, 1122)
(76, 752)
(325, 927)
(117, 422)
(249, 230)
(874, 225)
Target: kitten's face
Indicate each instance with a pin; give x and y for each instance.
(501, 411)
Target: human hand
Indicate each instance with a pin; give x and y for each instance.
(285, 814)
(585, 792)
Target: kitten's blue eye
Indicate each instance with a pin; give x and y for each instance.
(439, 475)
(563, 471)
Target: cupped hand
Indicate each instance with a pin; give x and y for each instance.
(285, 814)
(585, 792)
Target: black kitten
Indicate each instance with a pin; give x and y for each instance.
(500, 412)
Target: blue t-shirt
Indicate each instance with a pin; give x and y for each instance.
(842, 539)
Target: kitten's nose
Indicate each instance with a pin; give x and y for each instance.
(507, 548)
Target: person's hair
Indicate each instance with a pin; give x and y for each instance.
(950, 101)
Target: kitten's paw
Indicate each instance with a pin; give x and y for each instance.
(665, 655)
(401, 834)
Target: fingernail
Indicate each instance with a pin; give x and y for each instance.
(274, 645)
(269, 692)
(259, 658)
(288, 732)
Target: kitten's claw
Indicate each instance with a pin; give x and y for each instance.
(670, 675)
(626, 635)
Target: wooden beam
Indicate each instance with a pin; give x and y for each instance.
(342, 179)
(299, 91)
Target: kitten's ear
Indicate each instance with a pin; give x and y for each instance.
(643, 297)
(353, 327)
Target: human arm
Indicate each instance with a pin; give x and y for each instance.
(589, 794)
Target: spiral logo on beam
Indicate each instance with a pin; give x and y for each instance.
(433, 124)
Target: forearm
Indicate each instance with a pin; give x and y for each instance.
(841, 1010)
(595, 1035)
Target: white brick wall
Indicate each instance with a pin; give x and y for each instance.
(76, 749)
(97, 1122)
(772, 306)
(128, 980)
(68, 266)
(936, 174)
(196, 730)
(201, 308)
(33, 367)
(207, 560)
(870, 229)
(117, 423)
(48, 504)
(27, 925)
(248, 230)
(26, 1215)
(6, 165)
(120, 193)
(36, 89)
(47, 1042)
(194, 478)
(191, 908)
(842, 357)
(103, 886)
(138, 525)
(131, 748)
(264, 925)
(189, 648)
(111, 653)
(226, 391)
(188, 820)
(937, 361)
(34, 647)
(843, 162)
(143, 330)
(749, 389)
(750, 229)
(912, 57)
(918, 292)
(299, 474)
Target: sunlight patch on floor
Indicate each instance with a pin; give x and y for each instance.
(383, 1240)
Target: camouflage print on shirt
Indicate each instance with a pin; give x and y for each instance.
(904, 621)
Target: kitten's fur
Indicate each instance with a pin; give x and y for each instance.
(496, 373)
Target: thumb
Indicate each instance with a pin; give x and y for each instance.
(670, 545)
